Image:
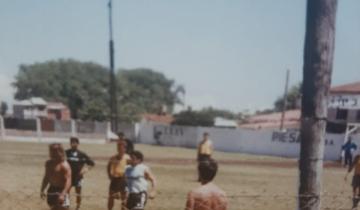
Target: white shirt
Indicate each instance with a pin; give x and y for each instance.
(135, 176)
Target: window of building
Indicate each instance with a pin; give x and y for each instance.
(342, 114)
(358, 116)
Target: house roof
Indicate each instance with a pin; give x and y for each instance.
(351, 88)
(273, 120)
(166, 119)
(34, 101)
(56, 106)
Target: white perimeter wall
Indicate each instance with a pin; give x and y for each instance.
(237, 140)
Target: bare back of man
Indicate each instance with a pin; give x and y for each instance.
(206, 197)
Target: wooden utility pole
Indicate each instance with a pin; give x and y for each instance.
(285, 100)
(318, 60)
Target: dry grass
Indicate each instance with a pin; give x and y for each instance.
(274, 180)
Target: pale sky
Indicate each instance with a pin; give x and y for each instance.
(229, 54)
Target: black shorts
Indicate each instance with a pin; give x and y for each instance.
(356, 181)
(203, 157)
(136, 201)
(117, 185)
(53, 196)
(76, 181)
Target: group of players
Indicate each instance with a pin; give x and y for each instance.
(128, 176)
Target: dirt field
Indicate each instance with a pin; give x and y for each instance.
(251, 182)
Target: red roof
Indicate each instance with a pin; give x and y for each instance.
(273, 120)
(351, 88)
(166, 119)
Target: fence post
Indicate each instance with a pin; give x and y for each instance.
(2, 128)
(73, 128)
(38, 128)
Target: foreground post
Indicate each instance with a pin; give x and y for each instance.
(318, 59)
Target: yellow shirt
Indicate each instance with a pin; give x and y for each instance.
(118, 167)
(205, 148)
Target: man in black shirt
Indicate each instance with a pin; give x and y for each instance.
(77, 160)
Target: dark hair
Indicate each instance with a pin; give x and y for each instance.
(58, 148)
(138, 155)
(120, 134)
(208, 169)
(74, 139)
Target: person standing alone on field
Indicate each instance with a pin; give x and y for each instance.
(57, 178)
(348, 149)
(77, 160)
(116, 171)
(137, 176)
(205, 149)
(208, 196)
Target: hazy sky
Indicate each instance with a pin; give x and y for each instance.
(227, 53)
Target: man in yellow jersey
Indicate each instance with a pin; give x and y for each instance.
(116, 172)
(205, 149)
(355, 181)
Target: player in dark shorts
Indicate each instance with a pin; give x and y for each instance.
(355, 180)
(116, 171)
(57, 178)
(137, 177)
(78, 161)
(205, 150)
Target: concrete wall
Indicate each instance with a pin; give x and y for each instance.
(267, 142)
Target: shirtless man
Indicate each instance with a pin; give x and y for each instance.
(116, 171)
(208, 196)
(58, 178)
(355, 180)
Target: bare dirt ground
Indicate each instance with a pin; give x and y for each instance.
(251, 182)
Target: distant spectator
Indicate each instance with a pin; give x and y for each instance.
(349, 147)
(205, 149)
(208, 196)
(129, 143)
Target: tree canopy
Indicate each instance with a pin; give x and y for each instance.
(83, 86)
(292, 99)
(204, 117)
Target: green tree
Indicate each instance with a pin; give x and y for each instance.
(194, 118)
(3, 108)
(292, 99)
(147, 90)
(83, 86)
(77, 84)
(214, 112)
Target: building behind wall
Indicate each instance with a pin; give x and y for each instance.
(38, 108)
(344, 107)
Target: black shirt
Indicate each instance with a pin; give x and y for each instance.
(77, 160)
